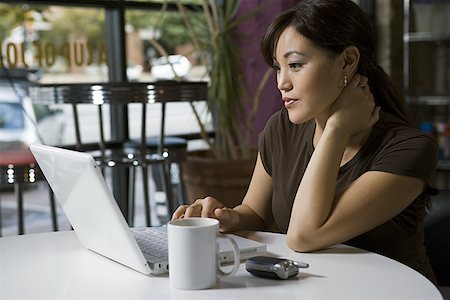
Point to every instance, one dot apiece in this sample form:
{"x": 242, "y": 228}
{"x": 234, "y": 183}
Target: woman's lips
{"x": 289, "y": 102}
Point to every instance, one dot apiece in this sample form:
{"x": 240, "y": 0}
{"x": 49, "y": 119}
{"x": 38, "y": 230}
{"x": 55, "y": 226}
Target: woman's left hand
{"x": 354, "y": 110}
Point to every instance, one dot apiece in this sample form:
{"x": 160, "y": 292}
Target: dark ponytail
{"x": 334, "y": 25}
{"x": 385, "y": 94}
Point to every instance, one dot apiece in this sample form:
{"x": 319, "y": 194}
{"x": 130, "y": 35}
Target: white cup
{"x": 193, "y": 253}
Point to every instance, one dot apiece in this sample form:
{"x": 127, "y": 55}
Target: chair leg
{"x": 20, "y": 210}
{"x": 146, "y": 194}
{"x": 131, "y": 196}
{"x": 53, "y": 209}
{"x": 165, "y": 166}
{"x": 182, "y": 189}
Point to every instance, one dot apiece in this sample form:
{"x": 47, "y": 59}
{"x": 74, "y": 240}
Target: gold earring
{"x": 345, "y": 80}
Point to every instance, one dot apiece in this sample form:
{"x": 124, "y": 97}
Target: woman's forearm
{"x": 314, "y": 199}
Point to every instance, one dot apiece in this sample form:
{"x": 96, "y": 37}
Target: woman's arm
{"x": 255, "y": 212}
{"x": 320, "y": 218}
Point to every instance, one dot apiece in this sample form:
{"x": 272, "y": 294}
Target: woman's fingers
{"x": 194, "y": 210}
{"x": 375, "y": 115}
{"x": 354, "y": 110}
{"x": 179, "y": 212}
{"x": 209, "y": 206}
{"x": 200, "y": 208}
{"x": 363, "y": 82}
{"x": 354, "y": 82}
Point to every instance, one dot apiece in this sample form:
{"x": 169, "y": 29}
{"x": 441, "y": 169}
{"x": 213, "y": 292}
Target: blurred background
{"x": 70, "y": 42}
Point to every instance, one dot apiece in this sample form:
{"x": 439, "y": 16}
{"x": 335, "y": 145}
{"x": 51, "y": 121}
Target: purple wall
{"x": 253, "y": 64}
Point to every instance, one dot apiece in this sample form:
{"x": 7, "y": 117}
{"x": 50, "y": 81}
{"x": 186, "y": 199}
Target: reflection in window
{"x": 53, "y": 40}
{"x": 145, "y": 32}
{"x": 152, "y": 34}
{"x": 66, "y": 44}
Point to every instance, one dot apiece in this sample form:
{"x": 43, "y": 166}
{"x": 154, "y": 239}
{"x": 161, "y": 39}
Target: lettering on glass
{"x": 75, "y": 54}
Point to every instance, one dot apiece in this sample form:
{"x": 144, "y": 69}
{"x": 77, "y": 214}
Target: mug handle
{"x": 236, "y": 254}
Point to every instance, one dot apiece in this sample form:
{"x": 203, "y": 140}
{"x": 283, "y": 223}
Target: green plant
{"x": 212, "y": 32}
{"x": 228, "y": 100}
{"x": 225, "y": 87}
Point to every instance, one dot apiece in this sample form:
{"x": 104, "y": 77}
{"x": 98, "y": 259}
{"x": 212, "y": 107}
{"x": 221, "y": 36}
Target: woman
{"x": 340, "y": 163}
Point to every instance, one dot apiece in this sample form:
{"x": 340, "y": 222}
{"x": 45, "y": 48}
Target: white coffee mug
{"x": 193, "y": 253}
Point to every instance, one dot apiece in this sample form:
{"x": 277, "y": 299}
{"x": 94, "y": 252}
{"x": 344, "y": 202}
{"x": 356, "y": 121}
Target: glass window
{"x": 53, "y": 40}
{"x": 153, "y": 34}
{"x": 150, "y": 35}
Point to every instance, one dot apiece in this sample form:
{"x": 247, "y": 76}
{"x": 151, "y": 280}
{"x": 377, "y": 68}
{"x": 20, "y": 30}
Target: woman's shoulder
{"x": 402, "y": 149}
{"x": 279, "y": 117}
{"x": 396, "y": 130}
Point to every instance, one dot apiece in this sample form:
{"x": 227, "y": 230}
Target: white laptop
{"x": 93, "y": 212}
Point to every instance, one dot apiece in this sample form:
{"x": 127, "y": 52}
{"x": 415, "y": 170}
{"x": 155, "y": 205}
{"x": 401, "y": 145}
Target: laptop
{"x": 91, "y": 209}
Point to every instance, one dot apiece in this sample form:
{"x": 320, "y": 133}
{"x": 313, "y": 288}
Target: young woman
{"x": 340, "y": 163}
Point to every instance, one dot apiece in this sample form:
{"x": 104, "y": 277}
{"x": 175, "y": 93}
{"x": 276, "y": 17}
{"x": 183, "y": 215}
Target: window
{"x": 52, "y": 40}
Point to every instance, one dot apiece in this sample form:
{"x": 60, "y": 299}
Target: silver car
{"x": 163, "y": 68}
{"x": 22, "y": 123}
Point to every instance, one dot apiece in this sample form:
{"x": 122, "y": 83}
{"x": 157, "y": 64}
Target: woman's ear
{"x": 351, "y": 59}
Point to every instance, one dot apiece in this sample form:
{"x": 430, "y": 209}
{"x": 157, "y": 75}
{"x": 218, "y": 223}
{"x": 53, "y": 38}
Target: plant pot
{"x": 225, "y": 180}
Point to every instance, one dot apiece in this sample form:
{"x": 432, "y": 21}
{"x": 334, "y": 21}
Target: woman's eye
{"x": 276, "y": 68}
{"x": 295, "y": 65}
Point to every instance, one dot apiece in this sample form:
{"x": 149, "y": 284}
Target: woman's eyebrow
{"x": 285, "y": 55}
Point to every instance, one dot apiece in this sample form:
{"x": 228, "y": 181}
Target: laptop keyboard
{"x": 153, "y": 243}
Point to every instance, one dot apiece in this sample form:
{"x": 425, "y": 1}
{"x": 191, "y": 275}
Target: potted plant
{"x": 224, "y": 170}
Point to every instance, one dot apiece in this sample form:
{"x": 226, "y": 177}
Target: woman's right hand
{"x": 208, "y": 207}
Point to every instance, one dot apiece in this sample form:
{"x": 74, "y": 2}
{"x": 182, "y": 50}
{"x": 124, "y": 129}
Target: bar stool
{"x": 18, "y": 168}
{"x": 126, "y": 153}
{"x": 174, "y": 149}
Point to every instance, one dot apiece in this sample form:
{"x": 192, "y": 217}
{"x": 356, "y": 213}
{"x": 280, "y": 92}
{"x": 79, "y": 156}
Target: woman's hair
{"x": 334, "y": 25}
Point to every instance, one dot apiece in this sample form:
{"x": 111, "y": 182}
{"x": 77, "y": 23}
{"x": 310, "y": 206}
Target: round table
{"x": 55, "y": 265}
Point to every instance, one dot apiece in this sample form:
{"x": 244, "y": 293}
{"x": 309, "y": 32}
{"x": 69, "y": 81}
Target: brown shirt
{"x": 393, "y": 147}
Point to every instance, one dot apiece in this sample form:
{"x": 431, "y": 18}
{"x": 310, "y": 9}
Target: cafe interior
{"x": 169, "y": 97}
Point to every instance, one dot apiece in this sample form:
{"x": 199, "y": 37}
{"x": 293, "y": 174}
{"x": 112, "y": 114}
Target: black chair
{"x": 437, "y": 236}
{"x": 174, "y": 149}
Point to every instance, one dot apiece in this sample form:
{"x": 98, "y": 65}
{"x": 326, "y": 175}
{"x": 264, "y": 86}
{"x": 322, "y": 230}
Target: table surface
{"x": 56, "y": 266}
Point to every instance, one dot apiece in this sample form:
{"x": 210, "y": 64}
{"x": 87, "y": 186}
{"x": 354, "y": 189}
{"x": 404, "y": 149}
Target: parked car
{"x": 161, "y": 69}
{"x": 22, "y": 123}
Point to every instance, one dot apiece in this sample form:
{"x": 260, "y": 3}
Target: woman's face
{"x": 308, "y": 78}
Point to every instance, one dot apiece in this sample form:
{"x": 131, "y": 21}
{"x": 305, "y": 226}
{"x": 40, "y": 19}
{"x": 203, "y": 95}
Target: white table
{"x": 56, "y": 266}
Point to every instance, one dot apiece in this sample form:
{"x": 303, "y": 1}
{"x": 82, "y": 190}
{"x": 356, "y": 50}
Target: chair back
{"x": 437, "y": 236}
